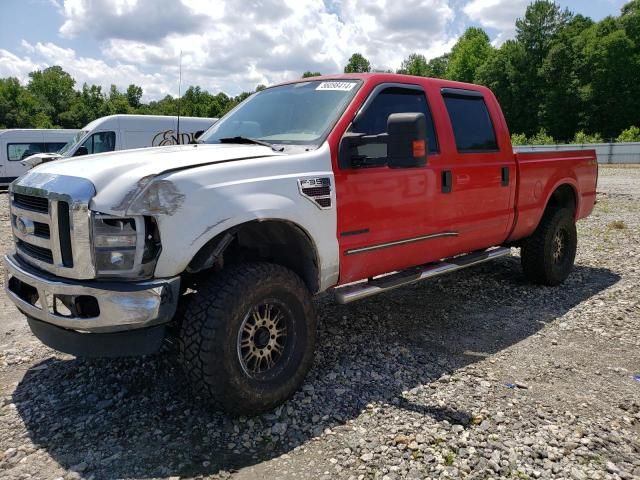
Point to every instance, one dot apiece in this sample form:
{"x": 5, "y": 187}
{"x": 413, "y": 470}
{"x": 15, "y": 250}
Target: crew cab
{"x": 357, "y": 183}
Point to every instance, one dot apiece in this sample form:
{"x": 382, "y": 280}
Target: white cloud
{"x": 13, "y": 66}
{"x": 233, "y": 45}
{"x": 500, "y": 15}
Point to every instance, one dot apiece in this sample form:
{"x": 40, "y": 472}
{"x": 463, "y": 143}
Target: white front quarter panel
{"x": 208, "y": 200}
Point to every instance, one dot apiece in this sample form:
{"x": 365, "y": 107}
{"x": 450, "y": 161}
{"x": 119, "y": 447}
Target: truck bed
{"x": 541, "y": 173}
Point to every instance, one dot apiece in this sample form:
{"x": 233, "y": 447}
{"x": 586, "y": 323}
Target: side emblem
{"x": 318, "y": 190}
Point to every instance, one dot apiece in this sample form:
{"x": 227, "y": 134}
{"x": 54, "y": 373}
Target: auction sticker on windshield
{"x": 339, "y": 86}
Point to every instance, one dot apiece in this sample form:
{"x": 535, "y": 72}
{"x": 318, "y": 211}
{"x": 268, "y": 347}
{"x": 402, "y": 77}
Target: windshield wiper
{"x": 239, "y": 139}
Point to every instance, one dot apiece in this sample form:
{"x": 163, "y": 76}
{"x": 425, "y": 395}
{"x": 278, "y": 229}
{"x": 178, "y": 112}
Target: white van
{"x": 20, "y": 143}
{"x": 124, "y": 132}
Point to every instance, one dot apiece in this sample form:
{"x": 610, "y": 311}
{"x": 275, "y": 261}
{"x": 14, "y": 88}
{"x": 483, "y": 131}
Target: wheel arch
{"x": 563, "y": 195}
{"x": 274, "y": 240}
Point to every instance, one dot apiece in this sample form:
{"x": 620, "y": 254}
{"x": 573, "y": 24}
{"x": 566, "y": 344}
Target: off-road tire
{"x": 537, "y": 253}
{"x": 216, "y": 316}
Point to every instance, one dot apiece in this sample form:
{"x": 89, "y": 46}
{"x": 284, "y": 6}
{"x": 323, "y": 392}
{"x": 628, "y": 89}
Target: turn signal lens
{"x": 419, "y": 148}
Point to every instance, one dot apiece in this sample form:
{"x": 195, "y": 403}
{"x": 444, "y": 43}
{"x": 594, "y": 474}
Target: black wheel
{"x": 248, "y": 336}
{"x": 548, "y": 255}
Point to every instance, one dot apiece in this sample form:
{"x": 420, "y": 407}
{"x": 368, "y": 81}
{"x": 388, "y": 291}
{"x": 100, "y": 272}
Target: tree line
{"x": 563, "y": 78}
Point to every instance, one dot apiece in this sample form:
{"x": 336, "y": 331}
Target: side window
{"x": 20, "y": 151}
{"x": 101, "y": 142}
{"x": 53, "y": 147}
{"x": 471, "y": 122}
{"x": 388, "y": 101}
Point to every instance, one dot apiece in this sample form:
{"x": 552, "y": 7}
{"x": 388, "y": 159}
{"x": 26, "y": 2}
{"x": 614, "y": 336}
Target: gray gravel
{"x": 474, "y": 375}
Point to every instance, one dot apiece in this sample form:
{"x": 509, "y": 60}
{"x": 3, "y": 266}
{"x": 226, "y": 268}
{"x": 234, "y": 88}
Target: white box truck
{"x": 20, "y": 143}
{"x": 125, "y": 132}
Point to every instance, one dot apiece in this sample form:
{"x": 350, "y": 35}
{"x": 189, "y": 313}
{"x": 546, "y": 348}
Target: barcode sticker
{"x": 337, "y": 86}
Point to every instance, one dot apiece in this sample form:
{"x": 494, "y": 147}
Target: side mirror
{"x": 407, "y": 140}
{"x": 82, "y": 150}
{"x": 195, "y": 136}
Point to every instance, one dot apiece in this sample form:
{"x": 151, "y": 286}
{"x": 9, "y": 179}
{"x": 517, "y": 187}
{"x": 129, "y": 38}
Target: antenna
{"x": 179, "y": 99}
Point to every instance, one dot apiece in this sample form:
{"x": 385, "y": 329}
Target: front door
{"x": 382, "y": 211}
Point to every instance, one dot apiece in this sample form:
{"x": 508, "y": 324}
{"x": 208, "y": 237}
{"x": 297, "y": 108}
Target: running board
{"x": 358, "y": 291}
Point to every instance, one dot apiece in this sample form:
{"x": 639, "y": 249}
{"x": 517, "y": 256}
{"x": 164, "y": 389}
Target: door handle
{"x": 446, "y": 181}
{"x": 505, "y": 176}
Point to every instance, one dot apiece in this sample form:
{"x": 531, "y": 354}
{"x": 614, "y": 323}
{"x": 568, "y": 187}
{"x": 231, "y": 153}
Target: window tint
{"x": 392, "y": 100}
{"x": 101, "y": 142}
{"x": 20, "y": 151}
{"x": 54, "y": 147}
{"x": 471, "y": 123}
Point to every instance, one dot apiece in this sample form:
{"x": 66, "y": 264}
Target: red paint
{"x": 397, "y": 204}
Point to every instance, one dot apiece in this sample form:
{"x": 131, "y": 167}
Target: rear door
{"x": 477, "y": 180}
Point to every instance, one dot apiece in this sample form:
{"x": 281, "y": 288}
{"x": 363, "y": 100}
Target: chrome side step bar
{"x": 357, "y": 291}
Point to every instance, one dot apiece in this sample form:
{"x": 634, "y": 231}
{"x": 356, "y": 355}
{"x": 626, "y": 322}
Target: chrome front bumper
{"x": 122, "y": 306}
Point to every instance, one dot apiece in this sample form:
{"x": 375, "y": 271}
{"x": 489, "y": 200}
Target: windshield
{"x": 295, "y": 114}
{"x": 73, "y": 142}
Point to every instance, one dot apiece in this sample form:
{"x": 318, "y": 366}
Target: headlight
{"x": 125, "y": 246}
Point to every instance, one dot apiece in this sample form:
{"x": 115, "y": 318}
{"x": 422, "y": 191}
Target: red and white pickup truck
{"x": 356, "y": 183}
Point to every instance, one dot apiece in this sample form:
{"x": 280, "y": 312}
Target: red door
{"x": 384, "y": 219}
{"x": 391, "y": 219}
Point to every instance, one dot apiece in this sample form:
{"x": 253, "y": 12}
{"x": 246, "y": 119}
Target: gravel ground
{"x": 473, "y": 375}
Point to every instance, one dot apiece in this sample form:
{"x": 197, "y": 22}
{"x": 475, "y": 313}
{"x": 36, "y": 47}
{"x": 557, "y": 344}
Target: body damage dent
{"x": 209, "y": 228}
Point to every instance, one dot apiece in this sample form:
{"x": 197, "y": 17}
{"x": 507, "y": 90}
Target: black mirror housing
{"x": 407, "y": 140}
{"x": 82, "y": 150}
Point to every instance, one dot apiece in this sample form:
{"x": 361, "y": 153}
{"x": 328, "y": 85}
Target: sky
{"x": 234, "y": 45}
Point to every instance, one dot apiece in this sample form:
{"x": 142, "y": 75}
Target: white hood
{"x": 119, "y": 176}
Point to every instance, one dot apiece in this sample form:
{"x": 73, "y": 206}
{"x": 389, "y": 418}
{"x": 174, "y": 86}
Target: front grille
{"x": 28, "y": 202}
{"x": 39, "y": 253}
{"x": 42, "y": 230}
{"x": 64, "y": 228}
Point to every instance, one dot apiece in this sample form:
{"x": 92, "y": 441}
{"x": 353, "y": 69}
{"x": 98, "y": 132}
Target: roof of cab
{"x": 147, "y": 118}
{"x": 381, "y": 77}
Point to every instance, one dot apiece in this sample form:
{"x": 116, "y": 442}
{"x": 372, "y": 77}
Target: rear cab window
{"x": 471, "y": 122}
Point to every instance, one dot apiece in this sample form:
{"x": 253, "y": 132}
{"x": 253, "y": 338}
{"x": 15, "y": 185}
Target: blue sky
{"x": 233, "y": 45}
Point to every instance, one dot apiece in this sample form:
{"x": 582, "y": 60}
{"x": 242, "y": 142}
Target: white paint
{"x": 23, "y": 136}
{"x": 215, "y": 192}
{"x": 336, "y": 86}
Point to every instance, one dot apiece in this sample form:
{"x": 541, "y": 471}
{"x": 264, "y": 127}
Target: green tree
{"x": 415, "y": 64}
{"x": 542, "y": 21}
{"x": 581, "y": 138}
{"x": 541, "y": 138}
{"x": 518, "y": 139}
{"x": 438, "y": 65}
{"x": 469, "y": 53}
{"x": 503, "y": 74}
{"x": 308, "y": 74}
{"x": 357, "y": 64}
{"x": 631, "y": 134}
{"x": 608, "y": 66}
{"x": 53, "y": 88}
{"x": 134, "y": 94}
{"x": 560, "y": 101}
{"x": 535, "y": 33}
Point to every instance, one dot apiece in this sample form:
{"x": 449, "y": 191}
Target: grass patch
{"x": 449, "y": 457}
{"x": 617, "y": 225}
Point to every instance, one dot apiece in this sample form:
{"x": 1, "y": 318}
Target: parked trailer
{"x": 19, "y": 143}
{"x": 125, "y": 132}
